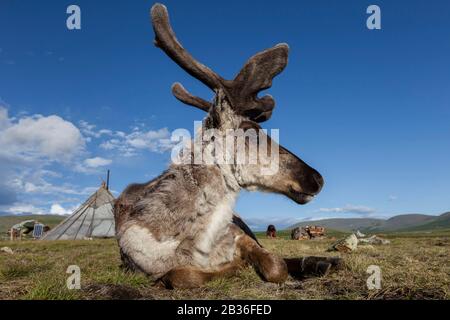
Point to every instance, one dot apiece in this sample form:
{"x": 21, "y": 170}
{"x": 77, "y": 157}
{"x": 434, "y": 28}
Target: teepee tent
{"x": 93, "y": 219}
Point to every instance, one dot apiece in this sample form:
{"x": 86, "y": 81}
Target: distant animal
{"x": 271, "y": 231}
{"x": 180, "y": 228}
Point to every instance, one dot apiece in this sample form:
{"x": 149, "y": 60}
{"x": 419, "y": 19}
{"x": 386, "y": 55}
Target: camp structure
{"x": 93, "y": 219}
{"x": 307, "y": 232}
{"x": 27, "y": 229}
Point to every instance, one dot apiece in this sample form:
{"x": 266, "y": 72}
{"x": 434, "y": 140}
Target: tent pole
{"x": 107, "y": 180}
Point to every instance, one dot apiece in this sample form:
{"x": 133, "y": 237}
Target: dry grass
{"x": 412, "y": 268}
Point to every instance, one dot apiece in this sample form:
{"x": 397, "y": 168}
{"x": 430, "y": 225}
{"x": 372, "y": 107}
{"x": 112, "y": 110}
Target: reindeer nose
{"x": 317, "y": 177}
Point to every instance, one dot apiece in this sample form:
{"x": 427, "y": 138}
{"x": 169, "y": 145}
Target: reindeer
{"x": 271, "y": 231}
{"x": 180, "y": 228}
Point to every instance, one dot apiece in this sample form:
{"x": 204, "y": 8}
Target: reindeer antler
{"x": 242, "y": 92}
{"x": 181, "y": 94}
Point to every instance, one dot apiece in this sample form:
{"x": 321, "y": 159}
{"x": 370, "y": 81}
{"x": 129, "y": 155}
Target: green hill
{"x": 441, "y": 222}
{"x": 404, "y": 222}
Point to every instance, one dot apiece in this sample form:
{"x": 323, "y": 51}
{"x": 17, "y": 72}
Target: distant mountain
{"x": 260, "y": 224}
{"x": 404, "y": 222}
{"x": 441, "y": 222}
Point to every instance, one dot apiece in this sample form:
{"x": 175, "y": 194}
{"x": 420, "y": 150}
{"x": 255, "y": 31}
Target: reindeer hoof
{"x": 313, "y": 266}
{"x": 337, "y": 263}
{"x": 323, "y": 268}
{"x": 320, "y": 266}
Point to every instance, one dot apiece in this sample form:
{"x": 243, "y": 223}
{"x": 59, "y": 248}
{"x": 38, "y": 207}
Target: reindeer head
{"x": 237, "y": 105}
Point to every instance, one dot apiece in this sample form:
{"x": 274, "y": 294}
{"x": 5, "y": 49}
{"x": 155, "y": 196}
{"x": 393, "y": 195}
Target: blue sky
{"x": 369, "y": 109}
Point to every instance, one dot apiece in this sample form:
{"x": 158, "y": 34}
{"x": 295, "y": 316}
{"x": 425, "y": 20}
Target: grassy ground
{"x": 413, "y": 267}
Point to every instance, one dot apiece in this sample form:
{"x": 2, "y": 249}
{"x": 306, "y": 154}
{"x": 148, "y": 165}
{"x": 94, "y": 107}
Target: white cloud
{"x": 56, "y": 208}
{"x": 120, "y": 134}
{"x": 38, "y": 155}
{"x": 23, "y": 208}
{"x": 27, "y": 208}
{"x": 89, "y": 130}
{"x": 39, "y": 137}
{"x": 44, "y": 187}
{"x": 29, "y": 146}
{"x": 4, "y": 120}
{"x": 128, "y": 144}
{"x": 349, "y": 209}
{"x": 110, "y": 144}
{"x": 392, "y": 198}
{"x": 97, "y": 162}
{"x": 317, "y": 218}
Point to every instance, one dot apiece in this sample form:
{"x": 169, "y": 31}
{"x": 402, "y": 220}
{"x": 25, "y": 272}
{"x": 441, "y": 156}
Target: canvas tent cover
{"x": 93, "y": 219}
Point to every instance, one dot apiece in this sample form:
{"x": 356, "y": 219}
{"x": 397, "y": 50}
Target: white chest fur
{"x": 218, "y": 223}
{"x": 153, "y": 256}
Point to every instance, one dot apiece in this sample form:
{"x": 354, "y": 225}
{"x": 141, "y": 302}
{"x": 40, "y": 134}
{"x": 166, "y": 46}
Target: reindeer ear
{"x": 259, "y": 70}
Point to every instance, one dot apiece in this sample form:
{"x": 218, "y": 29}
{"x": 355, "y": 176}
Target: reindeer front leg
{"x": 194, "y": 277}
{"x": 189, "y": 274}
{"x": 275, "y": 269}
{"x": 268, "y": 265}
